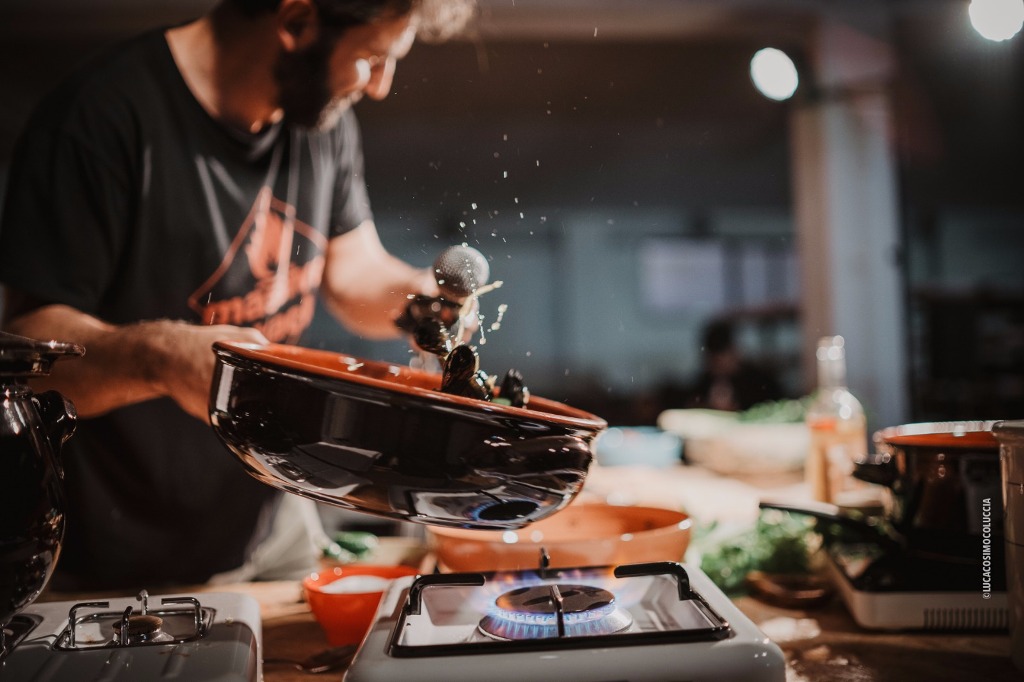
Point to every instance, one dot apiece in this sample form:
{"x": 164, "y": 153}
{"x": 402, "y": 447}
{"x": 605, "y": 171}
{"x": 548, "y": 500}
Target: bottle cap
{"x": 831, "y": 348}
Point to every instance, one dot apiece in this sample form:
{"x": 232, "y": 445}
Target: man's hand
{"x": 366, "y": 287}
{"x": 182, "y": 361}
{"x": 128, "y": 364}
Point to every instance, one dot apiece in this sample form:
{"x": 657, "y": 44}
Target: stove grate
{"x": 536, "y": 615}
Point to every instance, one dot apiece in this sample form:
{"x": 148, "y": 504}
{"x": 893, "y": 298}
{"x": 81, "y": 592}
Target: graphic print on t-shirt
{"x": 276, "y": 261}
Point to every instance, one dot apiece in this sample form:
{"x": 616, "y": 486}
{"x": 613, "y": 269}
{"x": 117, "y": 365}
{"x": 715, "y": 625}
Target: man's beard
{"x": 304, "y": 90}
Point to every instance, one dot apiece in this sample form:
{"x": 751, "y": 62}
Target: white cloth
{"x": 290, "y": 551}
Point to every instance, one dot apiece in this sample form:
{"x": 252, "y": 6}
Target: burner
{"x": 640, "y": 622}
{"x": 100, "y": 627}
{"x": 553, "y": 610}
{"x": 120, "y": 639}
{"x": 141, "y": 628}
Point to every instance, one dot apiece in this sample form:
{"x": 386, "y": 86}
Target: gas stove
{"x": 651, "y": 622}
{"x": 901, "y": 589}
{"x": 140, "y": 638}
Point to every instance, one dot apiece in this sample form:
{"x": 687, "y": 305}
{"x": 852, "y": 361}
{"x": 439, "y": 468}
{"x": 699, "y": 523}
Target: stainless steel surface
{"x": 682, "y": 627}
{"x": 1011, "y": 455}
{"x": 181, "y": 638}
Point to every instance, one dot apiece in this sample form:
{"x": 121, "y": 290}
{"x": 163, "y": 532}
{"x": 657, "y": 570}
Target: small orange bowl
{"x": 344, "y": 599}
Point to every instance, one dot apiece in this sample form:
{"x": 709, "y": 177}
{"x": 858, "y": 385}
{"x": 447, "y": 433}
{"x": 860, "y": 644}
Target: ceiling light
{"x": 997, "y": 19}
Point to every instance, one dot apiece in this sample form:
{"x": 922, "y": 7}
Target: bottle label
{"x": 835, "y": 445}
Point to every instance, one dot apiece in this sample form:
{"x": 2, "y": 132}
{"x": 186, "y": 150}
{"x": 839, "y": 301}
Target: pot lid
{"x": 24, "y": 357}
{"x": 955, "y": 434}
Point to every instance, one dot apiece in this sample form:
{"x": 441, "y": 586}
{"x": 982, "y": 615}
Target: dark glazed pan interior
{"x": 382, "y": 439}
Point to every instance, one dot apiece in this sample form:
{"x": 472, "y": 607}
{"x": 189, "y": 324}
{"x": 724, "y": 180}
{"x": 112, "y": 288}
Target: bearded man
{"x": 199, "y": 183}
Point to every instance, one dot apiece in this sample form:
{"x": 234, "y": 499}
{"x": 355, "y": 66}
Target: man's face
{"x": 318, "y": 83}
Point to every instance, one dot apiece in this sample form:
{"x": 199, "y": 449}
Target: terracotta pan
{"x": 383, "y": 439}
{"x": 583, "y": 534}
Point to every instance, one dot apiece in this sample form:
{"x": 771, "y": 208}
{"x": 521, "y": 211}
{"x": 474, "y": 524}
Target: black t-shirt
{"x": 127, "y": 201}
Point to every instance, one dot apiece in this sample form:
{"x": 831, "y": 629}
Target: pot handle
{"x": 877, "y": 468}
{"x": 822, "y": 511}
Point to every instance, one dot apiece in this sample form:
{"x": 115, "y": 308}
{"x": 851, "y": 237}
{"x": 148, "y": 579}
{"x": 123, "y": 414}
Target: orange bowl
{"x": 587, "y": 534}
{"x": 344, "y": 599}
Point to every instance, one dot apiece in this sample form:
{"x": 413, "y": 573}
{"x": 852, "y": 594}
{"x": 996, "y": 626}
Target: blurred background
{"x": 631, "y": 186}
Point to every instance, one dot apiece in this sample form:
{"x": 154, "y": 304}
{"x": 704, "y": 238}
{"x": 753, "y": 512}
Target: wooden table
{"x": 825, "y": 644}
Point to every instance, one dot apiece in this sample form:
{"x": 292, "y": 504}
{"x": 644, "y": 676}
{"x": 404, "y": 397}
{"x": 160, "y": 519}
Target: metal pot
{"x": 1011, "y": 454}
{"x": 937, "y": 477}
{"x": 942, "y": 510}
{"x": 382, "y": 439}
{"x": 32, "y": 430}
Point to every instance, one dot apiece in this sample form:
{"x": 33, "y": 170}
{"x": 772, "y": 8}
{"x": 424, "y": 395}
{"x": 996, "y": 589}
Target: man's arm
{"x": 366, "y": 287}
{"x": 126, "y": 364}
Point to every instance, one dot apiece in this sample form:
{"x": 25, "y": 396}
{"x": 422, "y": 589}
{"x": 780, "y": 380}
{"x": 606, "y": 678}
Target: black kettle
{"x": 33, "y": 427}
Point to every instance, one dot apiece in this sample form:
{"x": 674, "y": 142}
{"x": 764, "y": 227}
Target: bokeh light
{"x": 997, "y": 19}
{"x": 774, "y": 74}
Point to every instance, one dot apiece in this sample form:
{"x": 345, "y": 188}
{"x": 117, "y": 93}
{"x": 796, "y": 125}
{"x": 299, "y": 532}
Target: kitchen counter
{"x": 819, "y": 644}
{"x": 822, "y": 643}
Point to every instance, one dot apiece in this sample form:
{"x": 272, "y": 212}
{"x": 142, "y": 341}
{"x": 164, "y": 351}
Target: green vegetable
{"x": 348, "y": 546}
{"x": 776, "y": 412}
{"x": 777, "y": 543}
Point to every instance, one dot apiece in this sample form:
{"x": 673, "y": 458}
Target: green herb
{"x": 777, "y": 543}
{"x": 348, "y": 546}
{"x": 776, "y": 412}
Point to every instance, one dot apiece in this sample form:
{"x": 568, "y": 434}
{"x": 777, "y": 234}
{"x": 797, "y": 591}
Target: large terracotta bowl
{"x": 584, "y": 534}
{"x": 383, "y": 439}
